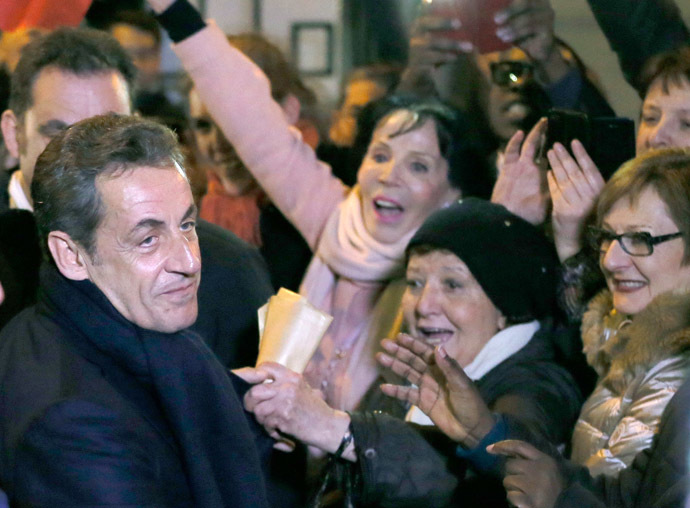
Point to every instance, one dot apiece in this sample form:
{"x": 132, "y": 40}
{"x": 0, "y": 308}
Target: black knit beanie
{"x": 511, "y": 259}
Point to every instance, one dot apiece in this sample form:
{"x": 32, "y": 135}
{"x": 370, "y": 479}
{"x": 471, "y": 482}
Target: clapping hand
{"x": 574, "y": 185}
{"x": 442, "y": 389}
{"x": 521, "y": 185}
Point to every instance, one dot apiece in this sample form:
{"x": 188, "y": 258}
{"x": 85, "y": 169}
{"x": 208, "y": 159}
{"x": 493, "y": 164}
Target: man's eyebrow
{"x": 52, "y": 127}
{"x": 147, "y": 224}
{"x": 191, "y": 212}
{"x": 155, "y": 223}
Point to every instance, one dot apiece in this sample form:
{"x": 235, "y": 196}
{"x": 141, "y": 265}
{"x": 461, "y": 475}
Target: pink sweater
{"x": 304, "y": 189}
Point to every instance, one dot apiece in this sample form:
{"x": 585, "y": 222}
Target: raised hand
{"x": 574, "y": 185}
{"x": 442, "y": 389}
{"x": 529, "y": 25}
{"x": 288, "y": 405}
{"x": 532, "y": 478}
{"x": 428, "y": 46}
{"x": 521, "y": 185}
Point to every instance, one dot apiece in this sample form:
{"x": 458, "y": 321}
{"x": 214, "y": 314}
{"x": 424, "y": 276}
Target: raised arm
{"x": 238, "y": 96}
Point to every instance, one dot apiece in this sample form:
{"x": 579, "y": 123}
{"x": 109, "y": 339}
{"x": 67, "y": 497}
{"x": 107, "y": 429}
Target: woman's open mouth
{"x": 387, "y": 210}
{"x": 434, "y": 336}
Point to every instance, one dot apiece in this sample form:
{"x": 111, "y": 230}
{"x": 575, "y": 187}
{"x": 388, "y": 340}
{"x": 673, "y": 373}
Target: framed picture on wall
{"x": 311, "y": 45}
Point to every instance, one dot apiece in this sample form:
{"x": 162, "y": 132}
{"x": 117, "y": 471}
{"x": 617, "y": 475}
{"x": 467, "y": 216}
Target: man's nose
{"x": 185, "y": 257}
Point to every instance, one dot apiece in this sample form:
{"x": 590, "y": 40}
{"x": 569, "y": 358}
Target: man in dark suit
{"x": 108, "y": 399}
{"x": 73, "y": 74}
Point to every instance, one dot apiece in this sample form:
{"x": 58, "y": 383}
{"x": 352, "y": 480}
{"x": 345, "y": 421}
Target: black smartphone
{"x": 612, "y": 143}
{"x": 609, "y": 141}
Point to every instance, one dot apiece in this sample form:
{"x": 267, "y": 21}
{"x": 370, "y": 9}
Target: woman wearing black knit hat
{"x": 480, "y": 289}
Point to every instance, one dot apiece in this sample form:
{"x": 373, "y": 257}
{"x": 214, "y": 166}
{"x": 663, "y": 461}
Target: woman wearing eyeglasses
{"x": 636, "y": 333}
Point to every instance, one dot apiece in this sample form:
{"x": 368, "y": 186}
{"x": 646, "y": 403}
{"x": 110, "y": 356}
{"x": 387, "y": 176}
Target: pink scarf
{"x": 348, "y": 258}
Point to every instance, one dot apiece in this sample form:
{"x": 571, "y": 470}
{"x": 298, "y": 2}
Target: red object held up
{"x": 15, "y": 14}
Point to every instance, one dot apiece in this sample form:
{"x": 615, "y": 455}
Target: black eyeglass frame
{"x": 522, "y": 71}
{"x": 596, "y": 235}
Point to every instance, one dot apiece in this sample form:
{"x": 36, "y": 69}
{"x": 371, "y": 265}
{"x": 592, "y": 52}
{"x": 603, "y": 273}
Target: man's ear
{"x": 68, "y": 256}
{"x": 292, "y": 108}
{"x": 10, "y": 132}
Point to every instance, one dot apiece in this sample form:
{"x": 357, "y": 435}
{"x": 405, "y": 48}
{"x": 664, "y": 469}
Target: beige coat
{"x": 641, "y": 364}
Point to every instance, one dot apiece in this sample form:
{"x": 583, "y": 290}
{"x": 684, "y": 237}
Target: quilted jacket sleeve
{"x": 641, "y": 407}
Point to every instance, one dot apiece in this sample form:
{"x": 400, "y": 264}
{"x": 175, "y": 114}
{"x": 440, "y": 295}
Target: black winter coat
{"x": 400, "y": 464}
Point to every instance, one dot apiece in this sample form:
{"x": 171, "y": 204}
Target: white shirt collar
{"x": 18, "y": 198}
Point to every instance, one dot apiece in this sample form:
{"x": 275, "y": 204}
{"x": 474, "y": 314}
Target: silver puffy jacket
{"x": 641, "y": 364}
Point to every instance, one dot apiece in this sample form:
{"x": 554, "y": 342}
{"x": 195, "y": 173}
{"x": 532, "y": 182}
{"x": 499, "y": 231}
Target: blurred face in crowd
{"x": 142, "y": 49}
{"x": 665, "y": 117}
{"x": 146, "y": 259}
{"x": 444, "y": 305}
{"x": 214, "y": 151}
{"x": 2, "y": 294}
{"x": 60, "y": 99}
{"x": 511, "y": 103}
{"x": 403, "y": 178}
{"x": 358, "y": 94}
{"x": 635, "y": 281}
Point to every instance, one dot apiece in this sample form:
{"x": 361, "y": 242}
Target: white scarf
{"x": 500, "y": 347}
{"x": 18, "y": 198}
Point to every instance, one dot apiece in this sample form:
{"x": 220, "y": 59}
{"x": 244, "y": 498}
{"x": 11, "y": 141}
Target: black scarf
{"x": 192, "y": 388}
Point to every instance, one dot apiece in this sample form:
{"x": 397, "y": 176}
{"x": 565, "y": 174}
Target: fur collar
{"x": 660, "y": 331}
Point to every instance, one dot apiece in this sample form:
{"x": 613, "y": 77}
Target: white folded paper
{"x": 290, "y": 330}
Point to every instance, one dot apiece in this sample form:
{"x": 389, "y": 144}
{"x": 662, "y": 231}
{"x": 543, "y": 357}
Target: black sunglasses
{"x": 511, "y": 72}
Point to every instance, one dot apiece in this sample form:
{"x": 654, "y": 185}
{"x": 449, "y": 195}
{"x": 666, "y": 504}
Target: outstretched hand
{"x": 442, "y": 389}
{"x": 521, "y": 185}
{"x": 574, "y": 185}
{"x": 288, "y": 405}
{"x": 532, "y": 478}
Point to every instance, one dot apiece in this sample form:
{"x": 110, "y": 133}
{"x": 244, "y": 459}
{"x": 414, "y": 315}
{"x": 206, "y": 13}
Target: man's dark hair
{"x": 140, "y": 19}
{"x": 80, "y": 51}
{"x": 64, "y": 185}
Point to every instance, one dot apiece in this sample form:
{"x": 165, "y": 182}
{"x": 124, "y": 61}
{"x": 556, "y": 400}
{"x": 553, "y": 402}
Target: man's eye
{"x": 149, "y": 241}
{"x": 188, "y": 226}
